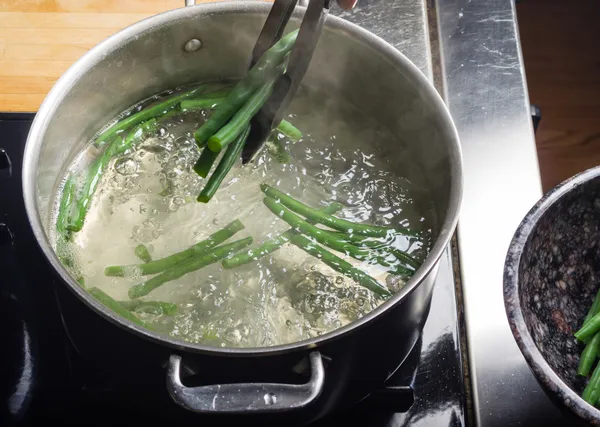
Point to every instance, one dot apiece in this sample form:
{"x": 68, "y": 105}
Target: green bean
{"x": 289, "y": 130}
{"x": 340, "y": 265}
{"x": 264, "y": 69}
{"x": 277, "y": 149}
{"x": 134, "y": 136}
{"x": 593, "y": 309}
{"x": 270, "y": 245}
{"x": 328, "y": 239}
{"x": 254, "y": 254}
{"x": 241, "y": 119}
{"x": 145, "y": 114}
{"x": 188, "y": 266}
{"x": 94, "y": 174}
{"x": 229, "y": 158}
{"x": 200, "y": 103}
{"x": 588, "y": 357}
{"x": 358, "y": 240}
{"x": 171, "y": 260}
{"x": 322, "y": 218}
{"x": 142, "y": 252}
{"x": 204, "y": 164}
{"x": 321, "y": 236}
{"x": 406, "y": 258}
{"x": 366, "y": 242}
{"x": 219, "y": 93}
{"x": 206, "y": 100}
{"x": 64, "y": 208}
{"x": 590, "y": 328}
{"x": 175, "y": 111}
{"x": 97, "y": 168}
{"x": 591, "y": 393}
{"x": 114, "y": 306}
{"x": 150, "y": 307}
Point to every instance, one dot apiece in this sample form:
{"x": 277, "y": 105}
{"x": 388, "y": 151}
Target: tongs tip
{"x": 287, "y": 85}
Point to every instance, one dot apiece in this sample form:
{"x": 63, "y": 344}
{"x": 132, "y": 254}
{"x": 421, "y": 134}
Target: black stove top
{"x": 48, "y": 378}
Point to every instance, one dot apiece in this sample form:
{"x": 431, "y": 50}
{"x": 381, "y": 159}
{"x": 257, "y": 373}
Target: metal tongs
{"x": 286, "y": 86}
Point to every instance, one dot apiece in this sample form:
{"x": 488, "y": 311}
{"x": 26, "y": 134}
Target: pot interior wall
{"x": 559, "y": 272}
{"x": 146, "y": 59}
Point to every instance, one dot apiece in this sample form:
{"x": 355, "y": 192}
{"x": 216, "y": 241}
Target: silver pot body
{"x": 350, "y": 64}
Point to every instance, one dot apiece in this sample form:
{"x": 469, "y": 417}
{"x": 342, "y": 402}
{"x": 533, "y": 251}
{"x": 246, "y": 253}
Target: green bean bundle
{"x": 187, "y": 266}
{"x": 340, "y": 265}
{"x": 270, "y": 245}
{"x": 326, "y": 219}
{"x": 229, "y": 158}
{"x": 243, "y": 90}
{"x": 199, "y": 248}
{"x": 241, "y": 119}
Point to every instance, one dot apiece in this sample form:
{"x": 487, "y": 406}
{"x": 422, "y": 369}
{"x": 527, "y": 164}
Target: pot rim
{"x": 512, "y": 303}
{"x": 83, "y": 64}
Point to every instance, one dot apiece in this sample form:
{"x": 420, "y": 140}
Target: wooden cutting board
{"x": 40, "y": 39}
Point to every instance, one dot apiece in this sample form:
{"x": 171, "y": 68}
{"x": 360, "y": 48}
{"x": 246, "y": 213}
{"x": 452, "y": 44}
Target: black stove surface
{"x": 46, "y": 378}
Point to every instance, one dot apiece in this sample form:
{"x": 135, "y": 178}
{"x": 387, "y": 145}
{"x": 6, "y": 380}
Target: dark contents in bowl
{"x": 559, "y": 271}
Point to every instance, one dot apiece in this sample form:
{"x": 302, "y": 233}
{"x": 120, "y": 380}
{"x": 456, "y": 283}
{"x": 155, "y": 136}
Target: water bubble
{"x": 148, "y": 231}
{"x": 330, "y": 302}
{"x": 173, "y": 206}
{"x": 126, "y": 166}
{"x": 215, "y": 221}
{"x": 162, "y": 157}
{"x": 182, "y": 142}
{"x": 339, "y": 280}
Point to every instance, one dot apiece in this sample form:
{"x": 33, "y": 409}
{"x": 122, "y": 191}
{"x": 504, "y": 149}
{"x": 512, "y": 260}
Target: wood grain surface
{"x": 560, "y": 41}
{"x": 40, "y": 39}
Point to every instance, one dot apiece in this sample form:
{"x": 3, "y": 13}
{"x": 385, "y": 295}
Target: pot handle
{"x": 190, "y": 2}
{"x": 246, "y": 397}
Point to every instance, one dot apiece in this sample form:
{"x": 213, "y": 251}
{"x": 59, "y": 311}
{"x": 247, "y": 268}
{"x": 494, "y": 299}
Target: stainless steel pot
{"x": 212, "y": 41}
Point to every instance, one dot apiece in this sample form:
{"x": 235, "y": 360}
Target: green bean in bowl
{"x": 552, "y": 293}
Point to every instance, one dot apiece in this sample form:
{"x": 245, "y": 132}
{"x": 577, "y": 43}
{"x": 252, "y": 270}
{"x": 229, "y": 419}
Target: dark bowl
{"x": 551, "y": 276}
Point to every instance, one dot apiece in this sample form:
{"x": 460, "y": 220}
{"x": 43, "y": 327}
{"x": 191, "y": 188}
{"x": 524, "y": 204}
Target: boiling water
{"x": 148, "y": 196}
